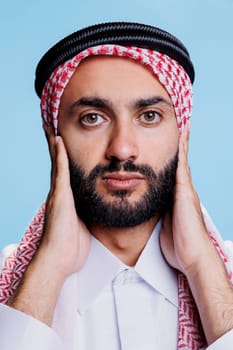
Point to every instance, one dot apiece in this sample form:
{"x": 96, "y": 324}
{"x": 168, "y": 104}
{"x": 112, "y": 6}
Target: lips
{"x": 122, "y": 181}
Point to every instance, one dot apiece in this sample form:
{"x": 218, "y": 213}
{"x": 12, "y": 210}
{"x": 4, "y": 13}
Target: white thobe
{"x": 108, "y": 305}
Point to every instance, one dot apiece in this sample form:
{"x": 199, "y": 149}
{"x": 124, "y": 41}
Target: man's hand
{"x": 65, "y": 236}
{"x": 183, "y": 248}
{"x": 64, "y": 246}
{"x": 187, "y": 247}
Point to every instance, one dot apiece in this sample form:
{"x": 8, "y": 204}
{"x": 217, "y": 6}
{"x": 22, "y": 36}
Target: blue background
{"x": 29, "y": 28}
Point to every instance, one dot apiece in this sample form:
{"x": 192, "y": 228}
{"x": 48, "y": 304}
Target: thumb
{"x": 167, "y": 242}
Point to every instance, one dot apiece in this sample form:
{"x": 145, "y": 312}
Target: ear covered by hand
{"x": 183, "y": 236}
{"x": 65, "y": 234}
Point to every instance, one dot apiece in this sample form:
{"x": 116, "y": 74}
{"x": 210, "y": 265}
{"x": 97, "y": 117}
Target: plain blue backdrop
{"x": 29, "y": 28}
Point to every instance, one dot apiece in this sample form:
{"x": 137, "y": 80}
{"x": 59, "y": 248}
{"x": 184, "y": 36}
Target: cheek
{"x": 85, "y": 152}
{"x": 159, "y": 148}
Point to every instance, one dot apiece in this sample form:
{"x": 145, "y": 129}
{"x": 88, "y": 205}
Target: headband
{"x": 116, "y": 33}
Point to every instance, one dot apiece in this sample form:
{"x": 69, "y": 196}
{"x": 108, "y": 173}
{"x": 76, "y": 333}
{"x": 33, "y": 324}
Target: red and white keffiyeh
{"x": 177, "y": 83}
{"x": 169, "y": 72}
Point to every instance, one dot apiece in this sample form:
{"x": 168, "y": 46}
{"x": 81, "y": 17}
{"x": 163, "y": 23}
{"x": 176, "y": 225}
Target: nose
{"x": 122, "y": 143}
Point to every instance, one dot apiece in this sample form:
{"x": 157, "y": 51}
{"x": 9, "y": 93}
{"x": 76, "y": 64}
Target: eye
{"x": 92, "y": 119}
{"x": 150, "y": 117}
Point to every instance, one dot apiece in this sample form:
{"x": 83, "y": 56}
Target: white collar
{"x": 102, "y": 267}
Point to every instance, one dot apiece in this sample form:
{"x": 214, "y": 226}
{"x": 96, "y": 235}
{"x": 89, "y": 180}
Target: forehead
{"x": 116, "y": 77}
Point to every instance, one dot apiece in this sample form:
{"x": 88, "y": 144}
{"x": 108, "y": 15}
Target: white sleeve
{"x": 23, "y": 332}
{"x": 223, "y": 343}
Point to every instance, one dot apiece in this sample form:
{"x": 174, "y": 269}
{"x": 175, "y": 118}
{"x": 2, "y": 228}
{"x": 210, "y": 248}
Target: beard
{"x": 93, "y": 208}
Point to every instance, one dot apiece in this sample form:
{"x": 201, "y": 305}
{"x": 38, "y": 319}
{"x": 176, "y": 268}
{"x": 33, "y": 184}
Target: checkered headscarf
{"x": 168, "y": 71}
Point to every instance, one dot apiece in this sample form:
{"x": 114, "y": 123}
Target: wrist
{"x": 213, "y": 294}
{"x": 48, "y": 262}
{"x": 205, "y": 259}
{"x": 39, "y": 288}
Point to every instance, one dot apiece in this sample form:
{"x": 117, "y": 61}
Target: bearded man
{"x": 121, "y": 256}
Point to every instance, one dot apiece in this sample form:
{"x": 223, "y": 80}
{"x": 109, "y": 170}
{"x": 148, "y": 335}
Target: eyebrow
{"x": 154, "y": 100}
{"x": 93, "y": 101}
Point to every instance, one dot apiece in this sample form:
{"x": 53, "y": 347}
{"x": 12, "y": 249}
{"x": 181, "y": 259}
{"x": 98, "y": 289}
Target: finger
{"x": 186, "y": 139}
{"x": 62, "y": 162}
{"x": 183, "y": 143}
{"x": 50, "y": 136}
{"x": 183, "y": 171}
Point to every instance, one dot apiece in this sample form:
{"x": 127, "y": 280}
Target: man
{"x": 124, "y": 238}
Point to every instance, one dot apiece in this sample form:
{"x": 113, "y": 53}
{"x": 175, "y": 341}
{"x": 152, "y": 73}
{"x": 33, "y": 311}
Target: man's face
{"x": 121, "y": 135}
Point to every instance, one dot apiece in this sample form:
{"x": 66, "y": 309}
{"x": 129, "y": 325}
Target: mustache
{"x": 116, "y": 165}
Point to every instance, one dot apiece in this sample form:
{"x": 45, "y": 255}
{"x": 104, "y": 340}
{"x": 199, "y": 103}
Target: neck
{"x": 125, "y": 243}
